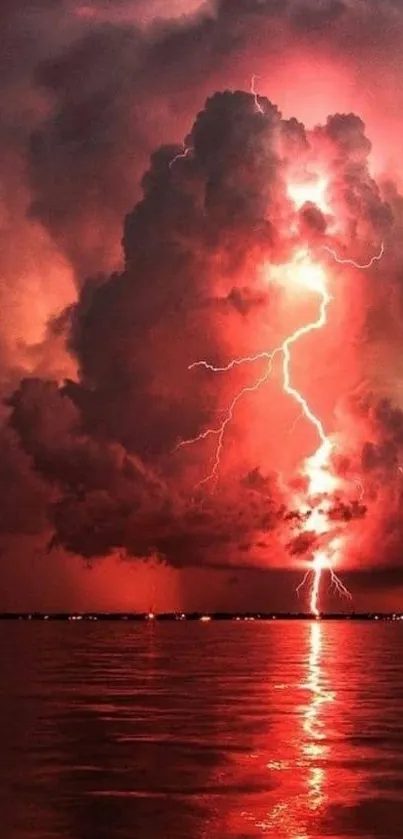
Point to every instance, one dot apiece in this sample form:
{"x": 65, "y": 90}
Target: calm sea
{"x": 201, "y": 731}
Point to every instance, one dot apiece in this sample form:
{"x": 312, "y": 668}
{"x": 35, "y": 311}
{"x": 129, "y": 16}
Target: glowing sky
{"x": 97, "y": 338}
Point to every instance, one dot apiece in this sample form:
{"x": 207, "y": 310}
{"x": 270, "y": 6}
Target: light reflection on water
{"x": 291, "y": 815}
{"x": 314, "y": 746}
{"x": 215, "y": 731}
{"x": 313, "y": 722}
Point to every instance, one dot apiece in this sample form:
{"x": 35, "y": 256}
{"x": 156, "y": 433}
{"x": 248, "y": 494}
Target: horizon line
{"x": 202, "y": 616}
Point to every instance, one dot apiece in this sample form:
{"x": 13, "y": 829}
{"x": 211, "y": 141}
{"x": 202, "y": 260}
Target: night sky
{"x": 156, "y": 208}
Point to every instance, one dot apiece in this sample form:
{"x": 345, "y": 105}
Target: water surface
{"x": 201, "y": 731}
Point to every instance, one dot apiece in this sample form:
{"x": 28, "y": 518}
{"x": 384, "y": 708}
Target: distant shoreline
{"x": 203, "y": 617}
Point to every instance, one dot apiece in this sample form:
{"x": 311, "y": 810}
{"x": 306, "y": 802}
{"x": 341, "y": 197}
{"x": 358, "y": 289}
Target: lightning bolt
{"x": 320, "y": 562}
{"x": 255, "y": 95}
{"x": 182, "y": 155}
{"x": 361, "y": 266}
{"x": 304, "y": 330}
{"x": 316, "y": 466}
{"x": 298, "y": 418}
{"x": 317, "y": 568}
{"x": 236, "y": 362}
{"x": 219, "y": 432}
{"x": 360, "y": 486}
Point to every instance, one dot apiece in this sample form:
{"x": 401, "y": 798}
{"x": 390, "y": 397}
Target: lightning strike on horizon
{"x": 321, "y": 481}
{"x": 317, "y": 568}
{"x": 314, "y": 280}
{"x": 321, "y": 563}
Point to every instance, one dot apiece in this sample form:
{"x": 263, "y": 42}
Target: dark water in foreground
{"x": 201, "y": 731}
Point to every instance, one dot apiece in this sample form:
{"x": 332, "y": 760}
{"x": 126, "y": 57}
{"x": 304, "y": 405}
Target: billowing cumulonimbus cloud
{"x": 119, "y": 89}
{"x": 207, "y": 223}
{"x": 99, "y": 453}
{"x": 134, "y": 335}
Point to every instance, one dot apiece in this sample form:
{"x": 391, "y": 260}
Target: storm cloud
{"x": 144, "y": 190}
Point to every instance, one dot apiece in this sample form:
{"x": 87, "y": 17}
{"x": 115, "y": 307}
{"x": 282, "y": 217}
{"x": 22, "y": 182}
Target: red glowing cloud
{"x": 251, "y": 224}
{"x": 302, "y": 275}
{"x": 255, "y": 305}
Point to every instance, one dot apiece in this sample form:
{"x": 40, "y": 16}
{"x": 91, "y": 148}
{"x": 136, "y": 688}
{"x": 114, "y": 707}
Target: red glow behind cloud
{"x": 306, "y": 83}
{"x": 42, "y": 271}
